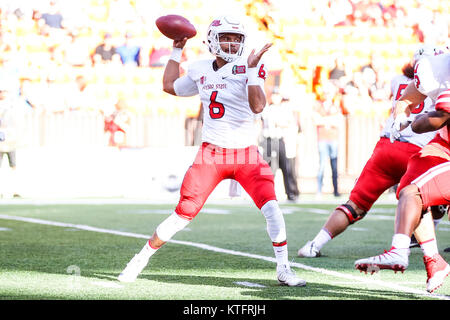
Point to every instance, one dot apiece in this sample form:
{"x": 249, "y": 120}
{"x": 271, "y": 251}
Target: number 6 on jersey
{"x": 216, "y": 109}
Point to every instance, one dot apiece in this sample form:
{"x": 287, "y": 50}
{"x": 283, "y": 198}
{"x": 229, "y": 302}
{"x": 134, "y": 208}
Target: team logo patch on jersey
{"x": 238, "y": 69}
{"x": 202, "y": 80}
{"x": 443, "y": 101}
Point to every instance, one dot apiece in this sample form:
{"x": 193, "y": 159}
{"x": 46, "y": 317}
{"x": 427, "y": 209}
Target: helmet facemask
{"x": 216, "y": 30}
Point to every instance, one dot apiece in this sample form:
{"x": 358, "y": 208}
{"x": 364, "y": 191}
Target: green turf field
{"x": 76, "y": 251}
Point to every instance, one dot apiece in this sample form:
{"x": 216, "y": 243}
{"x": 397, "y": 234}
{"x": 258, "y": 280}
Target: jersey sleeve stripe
{"x": 444, "y": 106}
{"x": 431, "y": 173}
{"x": 445, "y": 94}
{"x": 443, "y": 101}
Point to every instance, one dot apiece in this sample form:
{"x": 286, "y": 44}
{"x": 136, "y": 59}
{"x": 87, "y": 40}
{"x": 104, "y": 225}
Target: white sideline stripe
{"x": 250, "y": 284}
{"x": 232, "y": 252}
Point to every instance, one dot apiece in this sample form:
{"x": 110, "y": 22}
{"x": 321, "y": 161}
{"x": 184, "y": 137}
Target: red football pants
{"x": 383, "y": 170}
{"x": 429, "y": 169}
{"x": 213, "y": 164}
{"x": 434, "y": 185}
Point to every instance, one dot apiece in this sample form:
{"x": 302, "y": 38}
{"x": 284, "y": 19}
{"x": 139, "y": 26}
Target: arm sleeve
{"x": 185, "y": 87}
{"x": 443, "y": 101}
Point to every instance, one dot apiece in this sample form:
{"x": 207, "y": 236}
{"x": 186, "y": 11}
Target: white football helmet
{"x": 425, "y": 51}
{"x": 224, "y": 25}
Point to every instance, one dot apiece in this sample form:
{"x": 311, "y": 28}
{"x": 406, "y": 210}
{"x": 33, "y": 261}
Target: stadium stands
{"x": 308, "y": 34}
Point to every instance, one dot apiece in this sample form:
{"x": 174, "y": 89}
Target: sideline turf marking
{"x": 232, "y": 252}
{"x": 249, "y": 284}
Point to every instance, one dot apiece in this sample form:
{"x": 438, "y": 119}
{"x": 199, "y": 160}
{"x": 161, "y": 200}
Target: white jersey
{"x": 432, "y": 78}
{"x": 398, "y": 85}
{"x": 228, "y": 121}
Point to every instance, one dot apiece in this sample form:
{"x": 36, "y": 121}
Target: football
{"x": 175, "y": 27}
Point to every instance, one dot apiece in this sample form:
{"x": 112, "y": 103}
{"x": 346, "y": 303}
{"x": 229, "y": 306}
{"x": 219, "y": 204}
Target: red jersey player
{"x": 427, "y": 179}
{"x": 231, "y": 88}
{"x": 383, "y": 170}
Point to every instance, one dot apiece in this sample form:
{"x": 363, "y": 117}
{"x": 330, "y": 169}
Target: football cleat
{"x": 133, "y": 268}
{"x": 391, "y": 260}
{"x": 309, "y": 250}
{"x": 437, "y": 270}
{"x": 287, "y": 277}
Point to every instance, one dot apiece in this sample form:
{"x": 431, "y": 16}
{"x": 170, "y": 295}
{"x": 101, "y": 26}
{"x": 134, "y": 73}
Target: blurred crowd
{"x": 102, "y": 61}
{"x": 104, "y": 56}
{"x": 351, "y": 48}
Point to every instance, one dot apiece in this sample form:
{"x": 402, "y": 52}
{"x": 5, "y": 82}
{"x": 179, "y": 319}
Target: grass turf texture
{"x": 50, "y": 262}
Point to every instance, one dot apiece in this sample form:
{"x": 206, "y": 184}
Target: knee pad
{"x": 276, "y": 227}
{"x": 170, "y": 226}
{"x": 187, "y": 208}
{"x": 351, "y": 213}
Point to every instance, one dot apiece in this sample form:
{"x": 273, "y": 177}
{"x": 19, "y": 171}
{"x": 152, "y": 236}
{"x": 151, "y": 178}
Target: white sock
{"x": 281, "y": 255}
{"x": 148, "y": 250}
{"x": 322, "y": 238}
{"x": 401, "y": 242}
{"x": 276, "y": 227}
{"x": 429, "y": 247}
{"x": 277, "y": 231}
{"x": 171, "y": 225}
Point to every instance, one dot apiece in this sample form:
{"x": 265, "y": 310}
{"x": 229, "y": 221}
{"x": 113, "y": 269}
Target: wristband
{"x": 176, "y": 54}
{"x": 253, "y": 78}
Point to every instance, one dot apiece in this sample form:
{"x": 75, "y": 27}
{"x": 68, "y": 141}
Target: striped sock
{"x": 281, "y": 253}
{"x": 429, "y": 247}
{"x": 401, "y": 242}
{"x": 148, "y": 250}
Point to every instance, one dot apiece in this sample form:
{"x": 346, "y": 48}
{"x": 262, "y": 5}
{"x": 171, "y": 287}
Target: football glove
{"x": 398, "y": 125}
